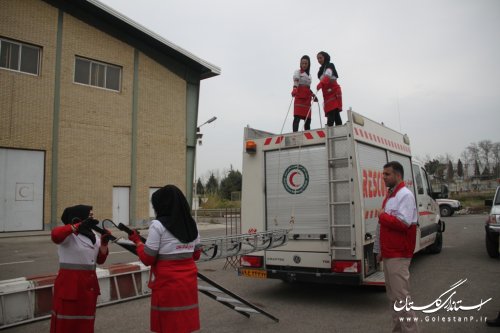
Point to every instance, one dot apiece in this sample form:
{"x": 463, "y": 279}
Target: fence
{"x": 29, "y": 299}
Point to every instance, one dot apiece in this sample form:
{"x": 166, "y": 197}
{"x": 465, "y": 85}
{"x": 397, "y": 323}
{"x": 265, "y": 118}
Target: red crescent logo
{"x": 290, "y": 179}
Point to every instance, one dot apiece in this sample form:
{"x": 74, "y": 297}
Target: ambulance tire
{"x": 436, "y": 247}
{"x": 492, "y": 246}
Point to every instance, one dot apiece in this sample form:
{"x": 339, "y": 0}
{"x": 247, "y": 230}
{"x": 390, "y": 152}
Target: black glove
{"x": 134, "y": 237}
{"x": 87, "y": 224}
{"x": 105, "y": 238}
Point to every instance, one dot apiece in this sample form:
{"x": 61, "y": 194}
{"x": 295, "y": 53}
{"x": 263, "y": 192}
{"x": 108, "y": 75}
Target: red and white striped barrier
{"x": 307, "y": 137}
{"x": 29, "y": 299}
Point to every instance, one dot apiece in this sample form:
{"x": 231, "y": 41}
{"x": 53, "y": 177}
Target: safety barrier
{"x": 28, "y": 299}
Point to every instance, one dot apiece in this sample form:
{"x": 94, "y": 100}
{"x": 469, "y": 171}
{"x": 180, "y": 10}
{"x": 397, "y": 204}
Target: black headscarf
{"x": 173, "y": 211}
{"x": 326, "y": 64}
{"x": 309, "y": 63}
{"x": 78, "y": 213}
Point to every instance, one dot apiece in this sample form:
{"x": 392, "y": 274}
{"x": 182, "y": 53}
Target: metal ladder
{"x": 229, "y": 299}
{"x": 340, "y": 178}
{"x": 236, "y": 245}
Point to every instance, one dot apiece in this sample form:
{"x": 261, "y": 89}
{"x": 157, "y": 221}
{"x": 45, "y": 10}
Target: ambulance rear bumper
{"x": 316, "y": 277}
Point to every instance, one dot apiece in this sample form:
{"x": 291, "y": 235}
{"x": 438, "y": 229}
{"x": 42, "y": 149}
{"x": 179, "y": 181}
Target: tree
{"x": 486, "y": 173}
{"x": 199, "y": 187}
{"x": 460, "y": 169}
{"x": 485, "y": 148}
{"x": 449, "y": 174}
{"x": 431, "y": 166}
{"x": 440, "y": 171}
{"x": 477, "y": 173}
{"x": 496, "y": 171}
{"x": 473, "y": 150}
{"x": 231, "y": 183}
{"x": 212, "y": 186}
{"x": 495, "y": 152}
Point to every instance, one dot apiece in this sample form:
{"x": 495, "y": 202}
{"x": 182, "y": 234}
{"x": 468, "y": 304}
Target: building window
{"x": 19, "y": 57}
{"x": 98, "y": 74}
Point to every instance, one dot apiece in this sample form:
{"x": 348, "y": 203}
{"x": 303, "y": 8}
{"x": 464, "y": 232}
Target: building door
{"x": 21, "y": 189}
{"x": 121, "y": 204}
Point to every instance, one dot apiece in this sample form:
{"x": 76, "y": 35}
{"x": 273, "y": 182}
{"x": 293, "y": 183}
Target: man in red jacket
{"x": 395, "y": 243}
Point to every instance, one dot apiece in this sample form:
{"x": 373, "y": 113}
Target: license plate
{"x": 253, "y": 273}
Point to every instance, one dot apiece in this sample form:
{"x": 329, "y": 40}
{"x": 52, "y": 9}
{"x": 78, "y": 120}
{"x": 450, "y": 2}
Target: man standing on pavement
{"x": 395, "y": 243}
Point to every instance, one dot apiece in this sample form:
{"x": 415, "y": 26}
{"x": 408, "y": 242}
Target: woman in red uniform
{"x": 332, "y": 94}
{"x": 169, "y": 250}
{"x": 76, "y": 287}
{"x": 303, "y": 94}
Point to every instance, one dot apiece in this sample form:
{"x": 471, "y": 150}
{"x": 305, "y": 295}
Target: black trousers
{"x": 333, "y": 117}
{"x": 296, "y": 121}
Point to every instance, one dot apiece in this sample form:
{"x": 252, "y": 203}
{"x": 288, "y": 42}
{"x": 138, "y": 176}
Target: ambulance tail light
{"x": 346, "y": 266}
{"x": 251, "y": 261}
{"x": 251, "y": 147}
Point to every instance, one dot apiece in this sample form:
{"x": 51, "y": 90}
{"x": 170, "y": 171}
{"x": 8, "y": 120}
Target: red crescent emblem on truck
{"x": 291, "y": 183}
{"x": 290, "y": 179}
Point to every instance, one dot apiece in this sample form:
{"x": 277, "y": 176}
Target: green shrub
{"x": 473, "y": 200}
{"x": 216, "y": 202}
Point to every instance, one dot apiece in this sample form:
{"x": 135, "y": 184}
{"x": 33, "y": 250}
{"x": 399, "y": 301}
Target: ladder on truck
{"x": 340, "y": 180}
{"x": 231, "y": 246}
{"x": 229, "y": 299}
{"x": 236, "y": 245}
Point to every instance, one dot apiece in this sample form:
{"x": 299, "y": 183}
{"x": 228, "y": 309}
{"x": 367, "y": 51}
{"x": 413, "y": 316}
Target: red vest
{"x": 302, "y": 102}
{"x": 396, "y": 243}
{"x": 332, "y": 96}
{"x": 174, "y": 298}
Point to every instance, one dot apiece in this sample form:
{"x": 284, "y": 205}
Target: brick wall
{"x": 27, "y": 101}
{"x": 161, "y": 145}
{"x": 95, "y": 128}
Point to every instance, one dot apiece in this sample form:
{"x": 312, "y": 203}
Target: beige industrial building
{"x": 94, "y": 109}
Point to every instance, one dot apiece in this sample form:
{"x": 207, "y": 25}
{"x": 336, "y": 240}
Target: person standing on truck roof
{"x": 171, "y": 250}
{"x": 332, "y": 93}
{"x": 395, "y": 243}
{"x": 303, "y": 94}
{"x": 76, "y": 287}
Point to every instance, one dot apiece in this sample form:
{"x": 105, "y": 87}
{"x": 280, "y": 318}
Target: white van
{"x": 326, "y": 187}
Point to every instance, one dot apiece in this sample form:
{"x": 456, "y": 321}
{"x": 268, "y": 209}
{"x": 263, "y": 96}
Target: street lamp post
{"x": 195, "y": 182}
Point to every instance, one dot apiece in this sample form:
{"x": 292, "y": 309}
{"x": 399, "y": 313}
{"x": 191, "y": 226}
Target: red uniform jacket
{"x": 332, "y": 96}
{"x": 302, "y": 102}
{"x": 397, "y": 239}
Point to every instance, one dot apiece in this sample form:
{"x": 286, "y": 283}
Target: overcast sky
{"x": 428, "y": 68}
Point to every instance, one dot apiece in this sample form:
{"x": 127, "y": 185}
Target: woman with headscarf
{"x": 332, "y": 94}
{"x": 76, "y": 287}
{"x": 170, "y": 251}
{"x": 303, "y": 94}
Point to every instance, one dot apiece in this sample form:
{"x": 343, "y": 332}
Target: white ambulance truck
{"x": 326, "y": 187}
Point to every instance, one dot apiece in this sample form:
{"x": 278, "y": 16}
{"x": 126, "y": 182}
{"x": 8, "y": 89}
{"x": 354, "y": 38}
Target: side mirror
{"x": 488, "y": 202}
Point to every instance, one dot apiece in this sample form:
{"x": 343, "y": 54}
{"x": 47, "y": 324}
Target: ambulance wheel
{"x": 436, "y": 247}
{"x": 492, "y": 246}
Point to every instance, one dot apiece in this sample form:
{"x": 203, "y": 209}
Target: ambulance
{"x": 326, "y": 186}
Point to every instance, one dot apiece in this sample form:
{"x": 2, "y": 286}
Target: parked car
{"x": 448, "y": 207}
{"x": 493, "y": 225}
